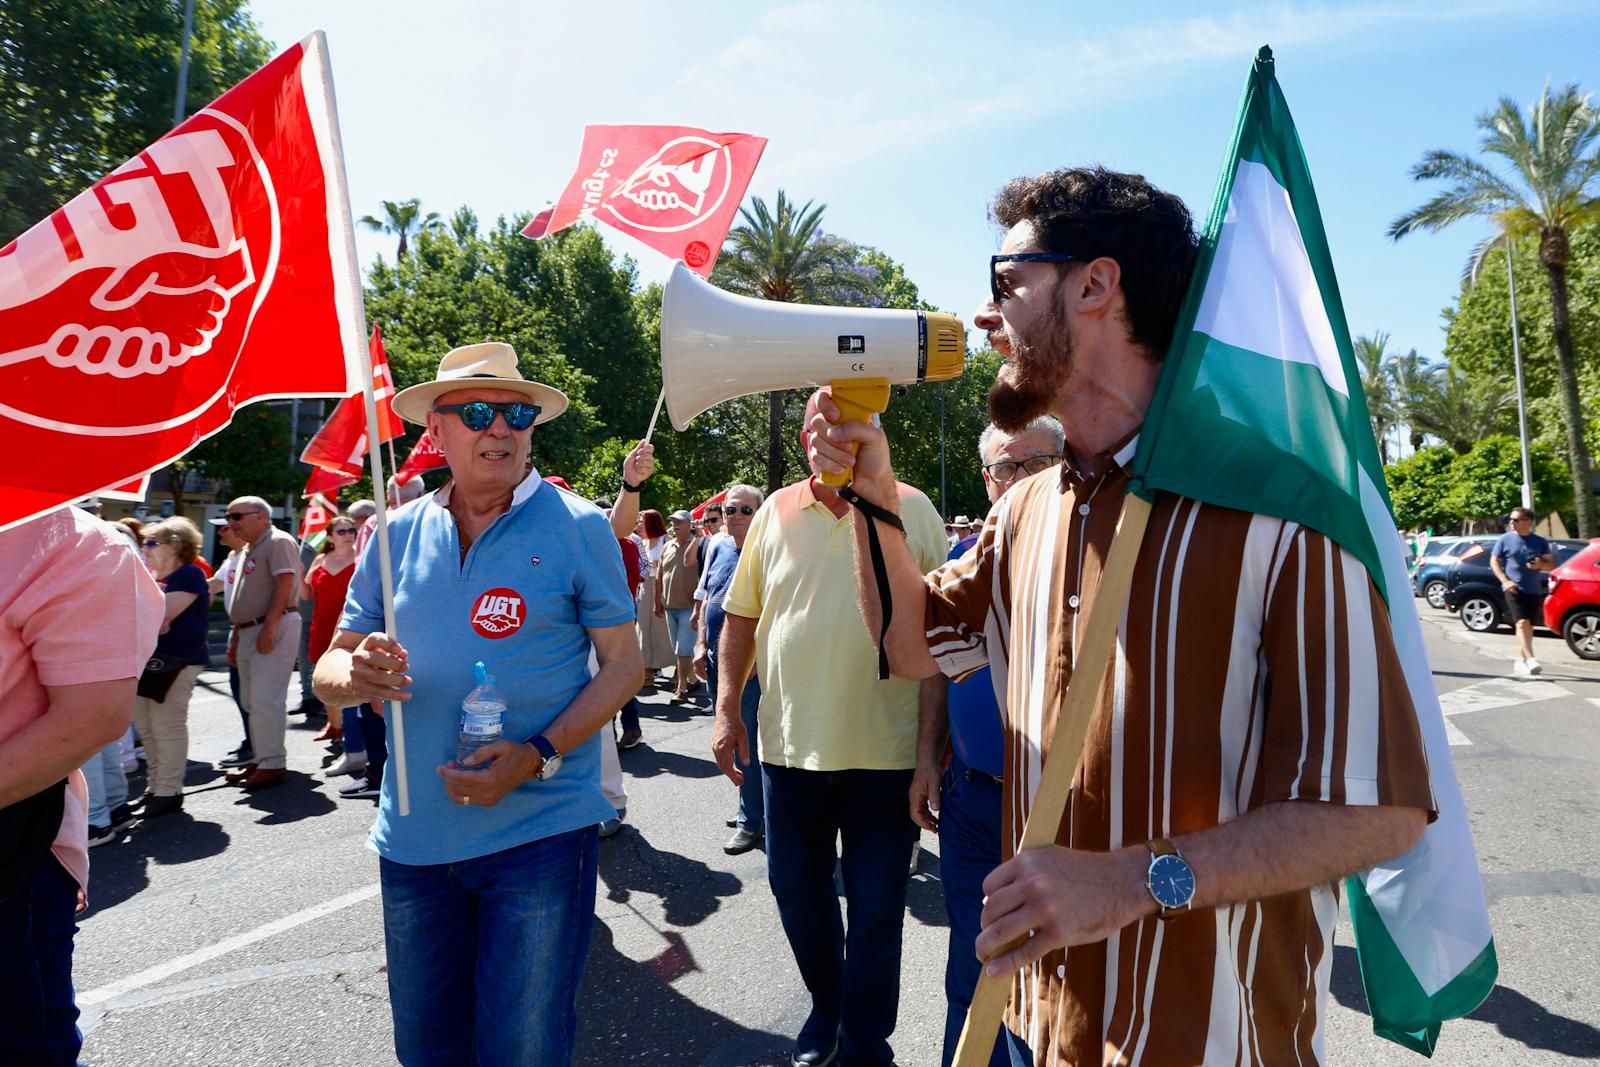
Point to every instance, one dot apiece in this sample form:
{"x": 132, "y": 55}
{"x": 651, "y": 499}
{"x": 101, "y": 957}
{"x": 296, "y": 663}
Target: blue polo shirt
{"x": 542, "y": 574}
{"x": 1514, "y": 551}
{"x": 974, "y": 712}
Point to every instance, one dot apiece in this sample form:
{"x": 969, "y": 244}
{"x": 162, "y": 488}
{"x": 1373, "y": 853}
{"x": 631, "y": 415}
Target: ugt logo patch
{"x": 499, "y": 613}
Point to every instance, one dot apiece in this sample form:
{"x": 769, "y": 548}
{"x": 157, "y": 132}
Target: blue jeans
{"x": 38, "y": 1017}
{"x": 486, "y": 955}
{"x": 969, "y": 848}
{"x": 752, "y": 804}
{"x": 354, "y": 740}
{"x": 375, "y": 736}
{"x": 108, "y": 786}
{"x": 853, "y": 977}
{"x": 630, "y": 714}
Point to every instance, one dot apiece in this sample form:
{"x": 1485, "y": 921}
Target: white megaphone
{"x": 716, "y": 346}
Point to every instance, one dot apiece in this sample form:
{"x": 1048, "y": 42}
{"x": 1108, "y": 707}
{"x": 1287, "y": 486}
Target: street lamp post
{"x": 1522, "y": 393}
{"x": 178, "y": 106}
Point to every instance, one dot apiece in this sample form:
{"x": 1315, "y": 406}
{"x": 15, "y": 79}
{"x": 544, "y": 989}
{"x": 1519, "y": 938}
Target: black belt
{"x": 972, "y": 774}
{"x": 247, "y": 625}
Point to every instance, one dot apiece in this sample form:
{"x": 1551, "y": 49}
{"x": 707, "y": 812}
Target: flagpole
{"x": 395, "y": 716}
{"x": 1061, "y": 766}
{"x": 654, "y": 415}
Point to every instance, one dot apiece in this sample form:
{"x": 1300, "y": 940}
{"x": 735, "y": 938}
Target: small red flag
{"x": 215, "y": 268}
{"x": 700, "y": 511}
{"x": 314, "y": 524}
{"x": 675, "y": 188}
{"x": 323, "y": 480}
{"x": 425, "y": 456}
{"x": 341, "y": 443}
{"x": 389, "y": 425}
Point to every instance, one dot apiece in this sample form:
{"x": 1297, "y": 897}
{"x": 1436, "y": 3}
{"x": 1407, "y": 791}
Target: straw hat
{"x": 491, "y": 365}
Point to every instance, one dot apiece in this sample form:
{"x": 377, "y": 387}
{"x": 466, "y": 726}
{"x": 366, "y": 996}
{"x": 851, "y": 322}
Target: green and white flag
{"x": 1260, "y": 408}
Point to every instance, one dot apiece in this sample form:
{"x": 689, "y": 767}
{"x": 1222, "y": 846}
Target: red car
{"x": 1573, "y": 607}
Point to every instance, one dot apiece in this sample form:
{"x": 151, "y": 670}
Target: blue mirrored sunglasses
{"x": 479, "y": 414}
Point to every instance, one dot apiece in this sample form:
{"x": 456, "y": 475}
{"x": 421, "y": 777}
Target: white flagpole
{"x": 341, "y": 203}
{"x": 654, "y": 415}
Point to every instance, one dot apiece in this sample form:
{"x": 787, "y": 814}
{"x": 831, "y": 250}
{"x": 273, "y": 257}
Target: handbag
{"x": 155, "y": 681}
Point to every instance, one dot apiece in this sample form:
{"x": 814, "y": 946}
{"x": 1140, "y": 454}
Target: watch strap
{"x": 629, "y": 487}
{"x": 547, "y": 751}
{"x": 1160, "y": 846}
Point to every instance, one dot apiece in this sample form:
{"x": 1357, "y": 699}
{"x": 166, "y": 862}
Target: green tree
{"x": 1460, "y": 411}
{"x": 1488, "y": 480}
{"x": 250, "y": 457}
{"x": 1551, "y": 189}
{"x": 1420, "y": 486}
{"x": 1377, "y": 386}
{"x": 403, "y": 219}
{"x": 781, "y": 253}
{"x": 85, "y": 85}
{"x": 1411, "y": 378}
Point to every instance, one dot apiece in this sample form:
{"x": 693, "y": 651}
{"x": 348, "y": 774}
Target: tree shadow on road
{"x": 629, "y": 1012}
{"x": 1518, "y": 1017}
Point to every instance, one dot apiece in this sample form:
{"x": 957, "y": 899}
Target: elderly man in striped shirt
{"x": 1255, "y": 733}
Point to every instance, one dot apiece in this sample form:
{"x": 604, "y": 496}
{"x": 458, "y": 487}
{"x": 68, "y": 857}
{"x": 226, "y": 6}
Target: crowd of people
{"x": 844, "y": 725}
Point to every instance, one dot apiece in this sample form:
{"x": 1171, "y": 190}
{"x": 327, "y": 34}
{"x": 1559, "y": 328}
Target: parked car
{"x": 1573, "y": 607}
{"x": 1428, "y": 579}
{"x": 1472, "y": 589}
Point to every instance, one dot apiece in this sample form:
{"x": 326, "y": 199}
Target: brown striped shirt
{"x": 1254, "y": 664}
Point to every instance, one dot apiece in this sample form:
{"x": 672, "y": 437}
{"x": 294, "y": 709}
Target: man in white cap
{"x": 489, "y": 883}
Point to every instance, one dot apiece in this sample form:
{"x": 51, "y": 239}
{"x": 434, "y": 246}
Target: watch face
{"x": 1171, "y": 881}
{"x": 550, "y": 766}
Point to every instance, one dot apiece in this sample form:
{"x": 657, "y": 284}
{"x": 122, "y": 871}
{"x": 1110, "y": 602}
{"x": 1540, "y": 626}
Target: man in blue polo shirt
{"x": 489, "y": 883}
{"x": 962, "y": 805}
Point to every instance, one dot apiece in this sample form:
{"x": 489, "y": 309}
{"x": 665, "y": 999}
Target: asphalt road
{"x": 248, "y": 930}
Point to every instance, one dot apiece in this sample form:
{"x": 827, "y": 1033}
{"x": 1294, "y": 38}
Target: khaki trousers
{"x": 164, "y": 729}
{"x": 264, "y": 689}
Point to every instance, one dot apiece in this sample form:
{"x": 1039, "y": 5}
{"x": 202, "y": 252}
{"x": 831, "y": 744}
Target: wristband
{"x": 629, "y": 487}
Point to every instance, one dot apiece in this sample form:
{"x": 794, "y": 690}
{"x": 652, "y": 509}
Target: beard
{"x": 1030, "y": 381}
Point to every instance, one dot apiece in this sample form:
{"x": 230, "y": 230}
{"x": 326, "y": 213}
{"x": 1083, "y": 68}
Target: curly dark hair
{"x": 1093, "y": 212}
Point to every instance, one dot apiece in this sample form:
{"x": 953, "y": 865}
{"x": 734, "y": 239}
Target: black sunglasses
{"x": 240, "y": 516}
{"x": 351, "y": 530}
{"x": 479, "y": 414}
{"x": 149, "y": 544}
{"x": 1021, "y": 257}
{"x": 742, "y": 509}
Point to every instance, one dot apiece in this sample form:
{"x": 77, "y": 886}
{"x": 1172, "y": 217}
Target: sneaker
{"x": 630, "y": 738}
{"x": 741, "y": 842}
{"x": 101, "y": 835}
{"x": 158, "y": 806}
{"x": 239, "y": 757}
{"x": 360, "y": 789}
{"x": 353, "y": 763}
{"x": 121, "y": 816}
{"x": 611, "y": 828}
{"x": 1520, "y": 666}
{"x": 1533, "y": 666}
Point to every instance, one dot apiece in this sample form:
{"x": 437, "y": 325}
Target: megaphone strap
{"x": 880, "y": 571}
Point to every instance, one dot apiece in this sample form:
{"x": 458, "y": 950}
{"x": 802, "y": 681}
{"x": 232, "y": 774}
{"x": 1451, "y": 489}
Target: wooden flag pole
{"x": 1066, "y": 750}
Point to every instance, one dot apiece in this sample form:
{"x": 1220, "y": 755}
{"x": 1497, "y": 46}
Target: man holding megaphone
{"x": 1193, "y": 876}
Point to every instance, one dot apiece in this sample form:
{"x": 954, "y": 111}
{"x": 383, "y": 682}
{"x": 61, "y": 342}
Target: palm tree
{"x": 781, "y": 253}
{"x": 1376, "y": 385}
{"x": 1459, "y": 413}
{"x": 1550, "y": 189}
{"x": 1410, "y": 379}
{"x": 402, "y": 219}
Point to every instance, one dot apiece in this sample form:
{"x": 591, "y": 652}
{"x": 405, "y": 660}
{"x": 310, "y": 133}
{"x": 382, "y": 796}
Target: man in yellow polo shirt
{"x": 838, "y": 748}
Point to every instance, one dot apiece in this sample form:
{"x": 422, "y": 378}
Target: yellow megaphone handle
{"x": 859, "y": 399}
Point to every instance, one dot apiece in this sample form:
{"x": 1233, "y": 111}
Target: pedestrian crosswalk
{"x": 1491, "y": 694}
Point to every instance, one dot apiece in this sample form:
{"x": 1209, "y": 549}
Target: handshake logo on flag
{"x": 137, "y": 276}
{"x": 666, "y": 196}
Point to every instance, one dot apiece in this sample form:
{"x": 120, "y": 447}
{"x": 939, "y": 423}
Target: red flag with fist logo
{"x": 213, "y": 269}
{"x": 673, "y": 187}
{"x": 425, "y": 456}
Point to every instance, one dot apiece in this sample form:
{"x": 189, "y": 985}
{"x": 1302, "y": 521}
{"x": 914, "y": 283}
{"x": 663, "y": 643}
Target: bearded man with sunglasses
{"x": 489, "y": 883}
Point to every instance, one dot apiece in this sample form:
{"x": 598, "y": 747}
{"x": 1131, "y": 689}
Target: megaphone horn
{"x": 716, "y": 346}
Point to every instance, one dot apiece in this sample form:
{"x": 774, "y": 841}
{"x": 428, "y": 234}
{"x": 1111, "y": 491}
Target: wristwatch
{"x": 629, "y": 487}
{"x": 551, "y": 758}
{"x": 1170, "y": 879}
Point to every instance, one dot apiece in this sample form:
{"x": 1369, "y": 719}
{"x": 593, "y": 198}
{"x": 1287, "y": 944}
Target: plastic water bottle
{"x": 481, "y": 715}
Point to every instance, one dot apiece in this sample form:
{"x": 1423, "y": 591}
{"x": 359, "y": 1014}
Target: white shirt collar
{"x": 526, "y": 488}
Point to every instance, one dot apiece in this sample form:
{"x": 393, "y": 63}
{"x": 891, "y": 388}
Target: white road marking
{"x": 161, "y": 972}
{"x": 1491, "y": 694}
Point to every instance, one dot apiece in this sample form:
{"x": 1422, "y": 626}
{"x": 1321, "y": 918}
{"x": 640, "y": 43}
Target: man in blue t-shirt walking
{"x": 962, "y": 803}
{"x": 489, "y": 882}
{"x": 1520, "y": 560}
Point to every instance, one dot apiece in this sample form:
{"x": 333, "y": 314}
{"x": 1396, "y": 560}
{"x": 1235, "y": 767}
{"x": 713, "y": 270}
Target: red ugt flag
{"x": 673, "y": 187}
{"x": 215, "y": 268}
{"x": 314, "y": 525}
{"x": 324, "y": 481}
{"x": 341, "y": 444}
{"x": 425, "y": 456}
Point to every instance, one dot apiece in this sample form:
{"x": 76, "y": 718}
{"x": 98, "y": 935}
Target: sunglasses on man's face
{"x": 479, "y": 414}
{"x": 742, "y": 509}
{"x": 240, "y": 516}
{"x": 1000, "y": 288}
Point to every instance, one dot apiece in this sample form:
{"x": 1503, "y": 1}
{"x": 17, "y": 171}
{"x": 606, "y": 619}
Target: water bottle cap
{"x": 481, "y": 673}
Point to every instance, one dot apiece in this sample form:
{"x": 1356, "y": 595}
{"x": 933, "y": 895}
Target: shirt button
{"x": 1072, "y": 601}
{"x": 1083, "y": 509}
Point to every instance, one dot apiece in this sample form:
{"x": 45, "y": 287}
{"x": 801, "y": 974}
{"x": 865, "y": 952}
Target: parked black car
{"x": 1472, "y": 589}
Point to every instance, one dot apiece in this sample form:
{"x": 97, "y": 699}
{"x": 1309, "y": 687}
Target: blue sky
{"x": 904, "y": 118}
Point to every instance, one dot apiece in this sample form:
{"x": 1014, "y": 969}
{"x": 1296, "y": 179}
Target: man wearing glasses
{"x": 266, "y": 633}
{"x": 1520, "y": 560}
{"x": 1253, "y": 739}
{"x": 961, "y": 803}
{"x": 489, "y": 883}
